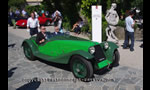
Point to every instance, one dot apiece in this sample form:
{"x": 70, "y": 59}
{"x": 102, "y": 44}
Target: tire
{"x": 28, "y": 52}
{"x": 81, "y": 68}
{"x": 48, "y": 23}
{"x": 116, "y": 59}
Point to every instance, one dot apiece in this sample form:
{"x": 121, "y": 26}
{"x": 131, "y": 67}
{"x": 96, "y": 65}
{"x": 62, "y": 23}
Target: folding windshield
{"x": 52, "y": 36}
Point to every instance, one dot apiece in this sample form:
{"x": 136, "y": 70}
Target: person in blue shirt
{"x": 129, "y": 32}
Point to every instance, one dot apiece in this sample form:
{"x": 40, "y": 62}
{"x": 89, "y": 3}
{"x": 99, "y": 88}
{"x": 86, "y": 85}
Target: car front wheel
{"x": 81, "y": 68}
{"x": 116, "y": 58}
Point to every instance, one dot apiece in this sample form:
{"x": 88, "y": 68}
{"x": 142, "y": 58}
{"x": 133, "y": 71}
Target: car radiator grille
{"x": 99, "y": 53}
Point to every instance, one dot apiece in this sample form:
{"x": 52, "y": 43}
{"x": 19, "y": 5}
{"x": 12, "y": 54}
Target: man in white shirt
{"x": 129, "y": 32}
{"x": 33, "y": 24}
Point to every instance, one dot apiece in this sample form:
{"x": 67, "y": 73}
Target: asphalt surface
{"x": 41, "y": 75}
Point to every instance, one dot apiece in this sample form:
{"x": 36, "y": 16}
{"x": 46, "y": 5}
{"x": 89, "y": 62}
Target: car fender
{"x": 82, "y": 53}
{"x": 33, "y": 47}
{"x": 113, "y": 46}
{"x": 65, "y": 59}
{"x": 110, "y": 51}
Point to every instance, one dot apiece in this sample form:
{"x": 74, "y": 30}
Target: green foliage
{"x": 13, "y": 8}
{"x": 108, "y": 4}
{"x": 86, "y": 11}
{"x": 70, "y": 15}
{"x": 36, "y": 8}
{"x": 16, "y": 3}
{"x": 104, "y": 25}
{"x": 68, "y": 8}
{"x": 121, "y": 23}
{"x": 85, "y": 28}
{"x": 86, "y": 7}
{"x": 66, "y": 23}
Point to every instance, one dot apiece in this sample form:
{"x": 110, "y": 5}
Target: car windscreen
{"x": 62, "y": 36}
{"x": 51, "y": 36}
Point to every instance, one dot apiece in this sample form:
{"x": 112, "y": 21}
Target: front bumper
{"x": 103, "y": 64}
{"x": 101, "y": 61}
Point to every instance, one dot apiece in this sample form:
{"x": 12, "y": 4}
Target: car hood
{"x": 71, "y": 41}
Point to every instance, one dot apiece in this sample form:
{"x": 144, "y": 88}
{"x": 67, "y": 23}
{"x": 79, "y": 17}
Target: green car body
{"x": 62, "y": 48}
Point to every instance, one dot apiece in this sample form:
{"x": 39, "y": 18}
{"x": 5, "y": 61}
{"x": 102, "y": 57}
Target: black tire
{"x": 28, "y": 52}
{"x": 116, "y": 58}
{"x": 48, "y": 23}
{"x": 87, "y": 65}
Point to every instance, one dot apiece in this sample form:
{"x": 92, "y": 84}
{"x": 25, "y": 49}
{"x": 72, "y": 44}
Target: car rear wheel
{"x": 81, "y": 68}
{"x": 28, "y": 52}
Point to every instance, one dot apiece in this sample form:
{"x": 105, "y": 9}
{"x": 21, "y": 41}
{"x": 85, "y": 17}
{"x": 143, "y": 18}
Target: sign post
{"x": 97, "y": 23}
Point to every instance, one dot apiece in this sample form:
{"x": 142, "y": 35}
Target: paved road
{"x": 40, "y": 75}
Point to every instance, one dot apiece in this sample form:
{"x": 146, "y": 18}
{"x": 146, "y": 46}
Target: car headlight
{"x": 23, "y": 23}
{"x": 92, "y": 50}
{"x": 106, "y": 45}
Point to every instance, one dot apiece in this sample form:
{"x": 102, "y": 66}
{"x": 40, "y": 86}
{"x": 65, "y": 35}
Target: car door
{"x": 50, "y": 48}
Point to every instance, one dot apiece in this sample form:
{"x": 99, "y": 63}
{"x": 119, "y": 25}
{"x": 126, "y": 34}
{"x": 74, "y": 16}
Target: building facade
{"x": 34, "y": 2}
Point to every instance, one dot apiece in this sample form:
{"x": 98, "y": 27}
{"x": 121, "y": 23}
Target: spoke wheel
{"x": 81, "y": 68}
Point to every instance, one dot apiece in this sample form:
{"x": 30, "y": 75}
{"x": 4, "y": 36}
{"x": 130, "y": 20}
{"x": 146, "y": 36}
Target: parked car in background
{"x": 42, "y": 21}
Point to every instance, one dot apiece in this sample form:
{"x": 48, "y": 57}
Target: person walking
{"x": 129, "y": 32}
{"x": 11, "y": 19}
{"x": 33, "y": 24}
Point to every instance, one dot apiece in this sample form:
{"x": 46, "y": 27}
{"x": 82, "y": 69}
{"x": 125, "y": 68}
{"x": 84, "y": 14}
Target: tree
{"x": 16, "y": 3}
{"x": 86, "y": 10}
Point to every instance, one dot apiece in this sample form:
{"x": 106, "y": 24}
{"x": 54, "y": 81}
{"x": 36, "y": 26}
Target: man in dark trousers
{"x": 33, "y": 24}
{"x": 129, "y": 33}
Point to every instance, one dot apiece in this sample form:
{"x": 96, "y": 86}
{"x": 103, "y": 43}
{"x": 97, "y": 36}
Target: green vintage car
{"x": 83, "y": 56}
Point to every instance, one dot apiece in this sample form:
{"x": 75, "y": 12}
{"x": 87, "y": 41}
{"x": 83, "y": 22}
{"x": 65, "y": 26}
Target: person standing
{"x": 11, "y": 19}
{"x": 129, "y": 32}
{"x": 36, "y": 14}
{"x": 24, "y": 13}
{"x": 57, "y": 19}
{"x": 33, "y": 24}
{"x": 17, "y": 12}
